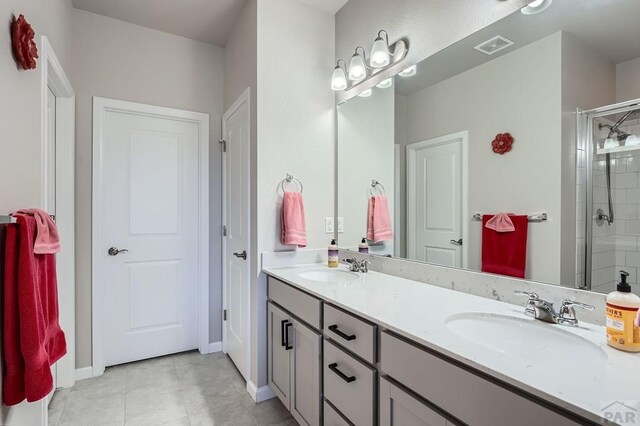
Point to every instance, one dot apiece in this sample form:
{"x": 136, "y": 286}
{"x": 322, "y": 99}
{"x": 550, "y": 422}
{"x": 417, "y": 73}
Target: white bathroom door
{"x": 149, "y": 229}
{"x": 236, "y": 235}
{"x": 435, "y": 200}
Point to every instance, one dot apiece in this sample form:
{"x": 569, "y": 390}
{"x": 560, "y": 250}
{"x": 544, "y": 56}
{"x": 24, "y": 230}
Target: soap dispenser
{"x": 622, "y": 309}
{"x": 363, "y": 247}
{"x": 334, "y": 256}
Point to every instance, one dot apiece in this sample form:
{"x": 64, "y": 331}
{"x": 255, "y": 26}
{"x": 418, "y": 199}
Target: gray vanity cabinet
{"x": 295, "y": 352}
{"x": 398, "y": 408}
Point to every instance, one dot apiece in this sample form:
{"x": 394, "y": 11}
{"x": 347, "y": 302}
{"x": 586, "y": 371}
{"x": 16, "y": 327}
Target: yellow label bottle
{"x": 333, "y": 255}
{"x": 622, "y": 309}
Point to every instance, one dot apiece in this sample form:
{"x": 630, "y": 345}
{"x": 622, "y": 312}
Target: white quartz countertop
{"x": 420, "y": 311}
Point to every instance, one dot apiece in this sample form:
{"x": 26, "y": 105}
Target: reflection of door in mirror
{"x": 436, "y": 188}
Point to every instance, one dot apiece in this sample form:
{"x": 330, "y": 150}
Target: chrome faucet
{"x": 357, "y": 266}
{"x": 542, "y": 310}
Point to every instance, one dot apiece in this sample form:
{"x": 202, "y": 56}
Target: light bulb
{"x": 365, "y": 93}
{"x": 380, "y": 53}
{"x": 357, "y": 68}
{"x": 409, "y": 72}
{"x": 338, "y": 79}
{"x": 385, "y": 83}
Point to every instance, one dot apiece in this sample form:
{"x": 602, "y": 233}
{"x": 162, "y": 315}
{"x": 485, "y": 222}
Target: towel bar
{"x": 535, "y": 217}
{"x": 7, "y": 219}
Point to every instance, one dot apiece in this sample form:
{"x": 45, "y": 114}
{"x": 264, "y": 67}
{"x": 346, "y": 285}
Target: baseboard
{"x": 259, "y": 394}
{"x": 84, "y": 373}
{"x": 214, "y": 347}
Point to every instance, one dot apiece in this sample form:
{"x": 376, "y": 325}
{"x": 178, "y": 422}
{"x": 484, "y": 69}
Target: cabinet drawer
{"x": 332, "y": 417}
{"x": 398, "y": 408}
{"x": 300, "y": 304}
{"x": 459, "y": 392}
{"x": 351, "y": 332}
{"x": 349, "y": 385}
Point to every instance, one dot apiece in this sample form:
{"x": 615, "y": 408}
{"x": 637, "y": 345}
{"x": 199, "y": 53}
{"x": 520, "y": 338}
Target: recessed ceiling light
{"x": 385, "y": 83}
{"x": 536, "y": 6}
{"x": 409, "y": 72}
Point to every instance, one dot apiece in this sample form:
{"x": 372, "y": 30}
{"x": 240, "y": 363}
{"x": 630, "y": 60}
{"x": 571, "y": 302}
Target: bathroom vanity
{"x": 374, "y": 349}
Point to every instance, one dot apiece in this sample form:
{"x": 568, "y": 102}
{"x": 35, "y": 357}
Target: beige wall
{"x": 118, "y": 60}
{"x": 20, "y": 153}
{"x": 628, "y": 86}
{"x": 430, "y": 26}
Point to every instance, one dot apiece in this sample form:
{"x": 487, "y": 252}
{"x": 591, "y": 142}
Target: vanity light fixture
{"x": 536, "y": 6}
{"x": 409, "y": 72}
{"x": 361, "y": 68}
{"x": 384, "y": 84}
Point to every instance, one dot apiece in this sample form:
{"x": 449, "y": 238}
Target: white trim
{"x": 84, "y": 373}
{"x": 245, "y": 97}
{"x": 411, "y": 195}
{"x": 54, "y": 77}
{"x": 214, "y": 347}
{"x": 259, "y": 394}
{"x": 100, "y": 107}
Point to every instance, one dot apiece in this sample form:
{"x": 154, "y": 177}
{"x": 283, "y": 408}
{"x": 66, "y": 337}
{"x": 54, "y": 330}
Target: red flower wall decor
{"x": 502, "y": 143}
{"x": 24, "y": 47}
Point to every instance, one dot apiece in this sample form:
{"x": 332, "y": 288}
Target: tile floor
{"x": 182, "y": 389}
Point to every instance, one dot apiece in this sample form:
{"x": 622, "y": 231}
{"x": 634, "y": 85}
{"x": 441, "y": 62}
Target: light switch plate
{"x": 329, "y": 225}
{"x": 340, "y": 225}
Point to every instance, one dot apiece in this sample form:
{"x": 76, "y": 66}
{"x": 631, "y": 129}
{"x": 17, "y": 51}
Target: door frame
{"x": 54, "y": 77}
{"x": 100, "y": 107}
{"x": 245, "y": 97}
{"x": 411, "y": 195}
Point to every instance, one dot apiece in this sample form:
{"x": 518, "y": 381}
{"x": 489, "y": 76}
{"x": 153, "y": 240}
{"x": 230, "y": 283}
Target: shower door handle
{"x": 456, "y": 242}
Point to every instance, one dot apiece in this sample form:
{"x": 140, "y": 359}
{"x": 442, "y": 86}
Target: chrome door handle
{"x": 114, "y": 251}
{"x": 242, "y": 255}
{"x": 456, "y": 242}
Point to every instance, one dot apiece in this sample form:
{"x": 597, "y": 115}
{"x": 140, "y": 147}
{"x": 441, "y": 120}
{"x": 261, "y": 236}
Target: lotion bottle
{"x": 622, "y": 308}
{"x": 363, "y": 247}
{"x": 333, "y": 255}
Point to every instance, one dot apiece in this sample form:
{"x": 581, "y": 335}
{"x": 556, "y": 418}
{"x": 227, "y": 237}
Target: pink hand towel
{"x": 292, "y": 221}
{"x": 47, "y": 239}
{"x": 501, "y": 222}
{"x": 379, "y": 222}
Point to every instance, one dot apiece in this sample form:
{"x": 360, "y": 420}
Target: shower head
{"x": 615, "y": 128}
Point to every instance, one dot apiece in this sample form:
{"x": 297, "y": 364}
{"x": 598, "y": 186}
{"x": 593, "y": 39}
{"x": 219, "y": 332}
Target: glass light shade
{"x": 610, "y": 143}
{"x": 632, "y": 140}
{"x": 357, "y": 68}
{"x": 385, "y": 83}
{"x": 338, "y": 79}
{"x": 409, "y": 72}
{"x": 380, "y": 57}
{"x": 365, "y": 93}
{"x": 536, "y": 6}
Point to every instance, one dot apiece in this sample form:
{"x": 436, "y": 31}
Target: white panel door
{"x": 435, "y": 201}
{"x": 150, "y": 209}
{"x": 235, "y": 124}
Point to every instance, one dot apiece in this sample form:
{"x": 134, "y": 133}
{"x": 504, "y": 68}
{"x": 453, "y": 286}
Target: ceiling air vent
{"x": 493, "y": 45}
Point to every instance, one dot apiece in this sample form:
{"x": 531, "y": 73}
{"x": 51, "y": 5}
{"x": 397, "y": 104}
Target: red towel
{"x": 505, "y": 253}
{"x": 33, "y": 340}
{"x": 378, "y": 220}
{"x": 292, "y": 221}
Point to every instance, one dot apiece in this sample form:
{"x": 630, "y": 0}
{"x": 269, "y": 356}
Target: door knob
{"x": 242, "y": 255}
{"x": 114, "y": 251}
{"x": 457, "y": 243}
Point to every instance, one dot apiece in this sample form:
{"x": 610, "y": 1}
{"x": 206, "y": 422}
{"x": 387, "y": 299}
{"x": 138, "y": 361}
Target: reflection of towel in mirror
{"x": 501, "y": 223}
{"x": 505, "y": 253}
{"x": 292, "y": 221}
{"x": 378, "y": 219}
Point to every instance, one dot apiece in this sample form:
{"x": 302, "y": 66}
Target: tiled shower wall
{"x": 617, "y": 246}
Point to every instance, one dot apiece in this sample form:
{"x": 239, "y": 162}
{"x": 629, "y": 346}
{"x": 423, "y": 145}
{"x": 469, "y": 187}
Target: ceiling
{"x": 609, "y": 26}
{"x": 210, "y": 21}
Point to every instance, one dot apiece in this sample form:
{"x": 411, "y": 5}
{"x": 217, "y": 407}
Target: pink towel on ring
{"x": 378, "y": 221}
{"x": 47, "y": 239}
{"x": 501, "y": 222}
{"x": 292, "y": 221}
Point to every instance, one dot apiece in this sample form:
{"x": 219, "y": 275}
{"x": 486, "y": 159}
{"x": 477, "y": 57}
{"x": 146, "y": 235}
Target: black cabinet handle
{"x": 348, "y": 337}
{"x": 334, "y": 367}
{"x": 286, "y": 333}
{"x": 282, "y": 332}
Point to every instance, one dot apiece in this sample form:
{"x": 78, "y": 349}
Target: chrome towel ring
{"x": 291, "y": 179}
{"x": 374, "y": 185}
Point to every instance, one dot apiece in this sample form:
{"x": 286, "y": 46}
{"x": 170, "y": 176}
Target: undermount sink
{"x": 330, "y": 276}
{"x": 531, "y": 340}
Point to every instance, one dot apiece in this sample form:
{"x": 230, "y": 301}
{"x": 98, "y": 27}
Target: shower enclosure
{"x": 608, "y": 196}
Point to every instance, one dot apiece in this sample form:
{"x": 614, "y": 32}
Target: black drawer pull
{"x": 286, "y": 333}
{"x": 348, "y": 337}
{"x": 334, "y": 367}
{"x": 282, "y": 332}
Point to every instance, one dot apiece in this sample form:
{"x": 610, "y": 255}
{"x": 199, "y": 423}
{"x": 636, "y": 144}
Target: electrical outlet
{"x": 329, "y": 225}
{"x": 340, "y": 225}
